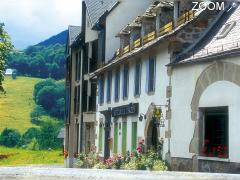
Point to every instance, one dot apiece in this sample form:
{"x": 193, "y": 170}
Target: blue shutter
{"x": 99, "y": 91}
{"x": 147, "y": 76}
{"x": 154, "y": 79}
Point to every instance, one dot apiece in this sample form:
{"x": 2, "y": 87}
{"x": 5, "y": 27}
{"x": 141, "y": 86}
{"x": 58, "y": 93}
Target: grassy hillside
{"x": 17, "y": 157}
{"x": 17, "y": 104}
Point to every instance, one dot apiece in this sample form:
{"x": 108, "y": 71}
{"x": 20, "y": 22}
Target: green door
{"x": 100, "y": 139}
{"x": 115, "y": 148}
{"x": 134, "y": 136}
{"x": 124, "y": 138}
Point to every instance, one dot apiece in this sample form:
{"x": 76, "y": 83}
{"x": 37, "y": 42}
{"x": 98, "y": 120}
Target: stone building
{"x": 167, "y": 59}
{"x": 163, "y": 73}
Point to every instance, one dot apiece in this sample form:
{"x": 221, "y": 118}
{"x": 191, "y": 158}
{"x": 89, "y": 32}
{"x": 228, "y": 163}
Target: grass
{"x": 17, "y": 104}
{"x": 21, "y": 157}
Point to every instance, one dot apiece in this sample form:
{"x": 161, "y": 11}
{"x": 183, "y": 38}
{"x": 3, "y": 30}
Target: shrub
{"x": 159, "y": 165}
{"x": 33, "y": 145}
{"x": 10, "y": 137}
{"x": 88, "y": 160}
{"x": 48, "y": 135}
{"x": 29, "y": 135}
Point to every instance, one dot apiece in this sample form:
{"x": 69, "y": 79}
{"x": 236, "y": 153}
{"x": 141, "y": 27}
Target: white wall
{"x": 221, "y": 93}
{"x": 90, "y": 35}
{"x": 123, "y": 14}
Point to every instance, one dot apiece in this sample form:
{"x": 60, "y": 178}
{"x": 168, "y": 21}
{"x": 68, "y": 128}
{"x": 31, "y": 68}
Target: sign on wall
{"x": 129, "y": 109}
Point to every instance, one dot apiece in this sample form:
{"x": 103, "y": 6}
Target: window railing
{"x": 166, "y": 29}
{"x": 153, "y": 35}
{"x": 149, "y": 37}
{"x": 185, "y": 17}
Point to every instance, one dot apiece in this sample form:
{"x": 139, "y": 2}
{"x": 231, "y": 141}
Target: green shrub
{"x": 33, "y": 145}
{"x": 159, "y": 166}
{"x": 30, "y": 134}
{"x": 48, "y": 135}
{"x": 87, "y": 160}
{"x": 10, "y": 137}
{"x": 100, "y": 165}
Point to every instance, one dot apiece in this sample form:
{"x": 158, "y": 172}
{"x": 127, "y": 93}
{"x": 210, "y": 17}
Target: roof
{"x": 73, "y": 32}
{"x": 61, "y": 134}
{"x": 212, "y": 45}
{"x": 97, "y": 8}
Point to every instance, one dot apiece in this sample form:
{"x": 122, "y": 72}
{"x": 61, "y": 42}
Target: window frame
{"x": 101, "y": 90}
{"x": 125, "y": 82}
{"x": 202, "y": 143}
{"x": 109, "y": 87}
{"x": 117, "y": 84}
{"x": 137, "y": 79}
{"x": 149, "y": 73}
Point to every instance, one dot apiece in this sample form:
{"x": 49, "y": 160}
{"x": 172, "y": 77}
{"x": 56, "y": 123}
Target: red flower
{"x": 139, "y": 150}
{"x": 206, "y": 141}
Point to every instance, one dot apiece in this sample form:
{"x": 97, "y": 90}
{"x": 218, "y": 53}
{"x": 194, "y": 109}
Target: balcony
{"x": 169, "y": 27}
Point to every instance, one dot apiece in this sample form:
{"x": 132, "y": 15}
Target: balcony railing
{"x": 153, "y": 35}
{"x": 149, "y": 37}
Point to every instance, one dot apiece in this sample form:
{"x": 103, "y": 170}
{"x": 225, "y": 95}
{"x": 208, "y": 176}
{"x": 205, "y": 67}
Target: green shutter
{"x": 115, "y": 150}
{"x": 134, "y": 136}
{"x": 100, "y": 139}
{"x": 124, "y": 138}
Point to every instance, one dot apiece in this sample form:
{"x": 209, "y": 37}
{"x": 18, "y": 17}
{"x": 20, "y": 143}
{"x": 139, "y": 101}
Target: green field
{"x": 18, "y": 157}
{"x": 17, "y": 104}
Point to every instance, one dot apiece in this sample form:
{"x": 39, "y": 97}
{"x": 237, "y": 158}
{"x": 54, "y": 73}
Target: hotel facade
{"x": 170, "y": 76}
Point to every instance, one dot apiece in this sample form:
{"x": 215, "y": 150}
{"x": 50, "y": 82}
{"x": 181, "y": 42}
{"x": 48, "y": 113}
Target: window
{"x": 137, "y": 85}
{"x": 151, "y": 75}
{"x": 134, "y": 136}
{"x": 117, "y": 85}
{"x": 125, "y": 81}
{"x": 76, "y": 100}
{"x": 227, "y": 28}
{"x": 77, "y": 67}
{"x": 109, "y": 86}
{"x": 101, "y": 90}
{"x": 215, "y": 132}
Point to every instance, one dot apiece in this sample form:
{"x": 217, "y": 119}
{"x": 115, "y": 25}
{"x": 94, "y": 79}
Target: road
{"x": 56, "y": 173}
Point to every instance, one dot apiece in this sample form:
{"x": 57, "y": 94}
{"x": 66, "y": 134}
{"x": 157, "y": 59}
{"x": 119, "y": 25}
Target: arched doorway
{"x": 152, "y": 136}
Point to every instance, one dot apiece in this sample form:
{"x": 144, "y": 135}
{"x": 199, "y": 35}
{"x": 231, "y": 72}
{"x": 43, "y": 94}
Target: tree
{"x": 41, "y": 84}
{"x": 47, "y": 97}
{"x": 48, "y": 135}
{"x": 10, "y": 137}
{"x": 5, "y": 48}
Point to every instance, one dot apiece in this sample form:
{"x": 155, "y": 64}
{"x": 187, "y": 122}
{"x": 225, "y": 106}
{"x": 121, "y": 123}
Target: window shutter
{"x": 124, "y": 138}
{"x": 115, "y": 150}
{"x": 147, "y": 76}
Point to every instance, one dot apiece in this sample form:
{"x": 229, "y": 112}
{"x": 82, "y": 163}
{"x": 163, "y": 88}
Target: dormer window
{"x": 227, "y": 28}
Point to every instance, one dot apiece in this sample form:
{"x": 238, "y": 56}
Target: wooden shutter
{"x": 115, "y": 150}
{"x": 124, "y": 138}
{"x": 134, "y": 136}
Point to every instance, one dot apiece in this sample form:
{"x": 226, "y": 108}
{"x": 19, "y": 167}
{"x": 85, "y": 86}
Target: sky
{"x": 29, "y": 22}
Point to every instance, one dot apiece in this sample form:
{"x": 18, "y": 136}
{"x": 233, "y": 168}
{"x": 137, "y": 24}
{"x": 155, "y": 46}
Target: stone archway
{"x": 218, "y": 71}
{"x": 151, "y": 133}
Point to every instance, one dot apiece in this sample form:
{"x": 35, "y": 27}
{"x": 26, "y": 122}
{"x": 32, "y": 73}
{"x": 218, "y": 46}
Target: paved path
{"x": 37, "y": 173}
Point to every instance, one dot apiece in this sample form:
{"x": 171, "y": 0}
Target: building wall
{"x": 125, "y": 12}
{"x": 145, "y": 99}
{"x": 220, "y": 93}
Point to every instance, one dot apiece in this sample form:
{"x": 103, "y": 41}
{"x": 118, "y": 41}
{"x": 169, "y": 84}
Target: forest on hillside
{"x": 39, "y": 61}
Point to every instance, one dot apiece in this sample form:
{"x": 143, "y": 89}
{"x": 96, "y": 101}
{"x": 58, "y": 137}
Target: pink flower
{"x": 141, "y": 141}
